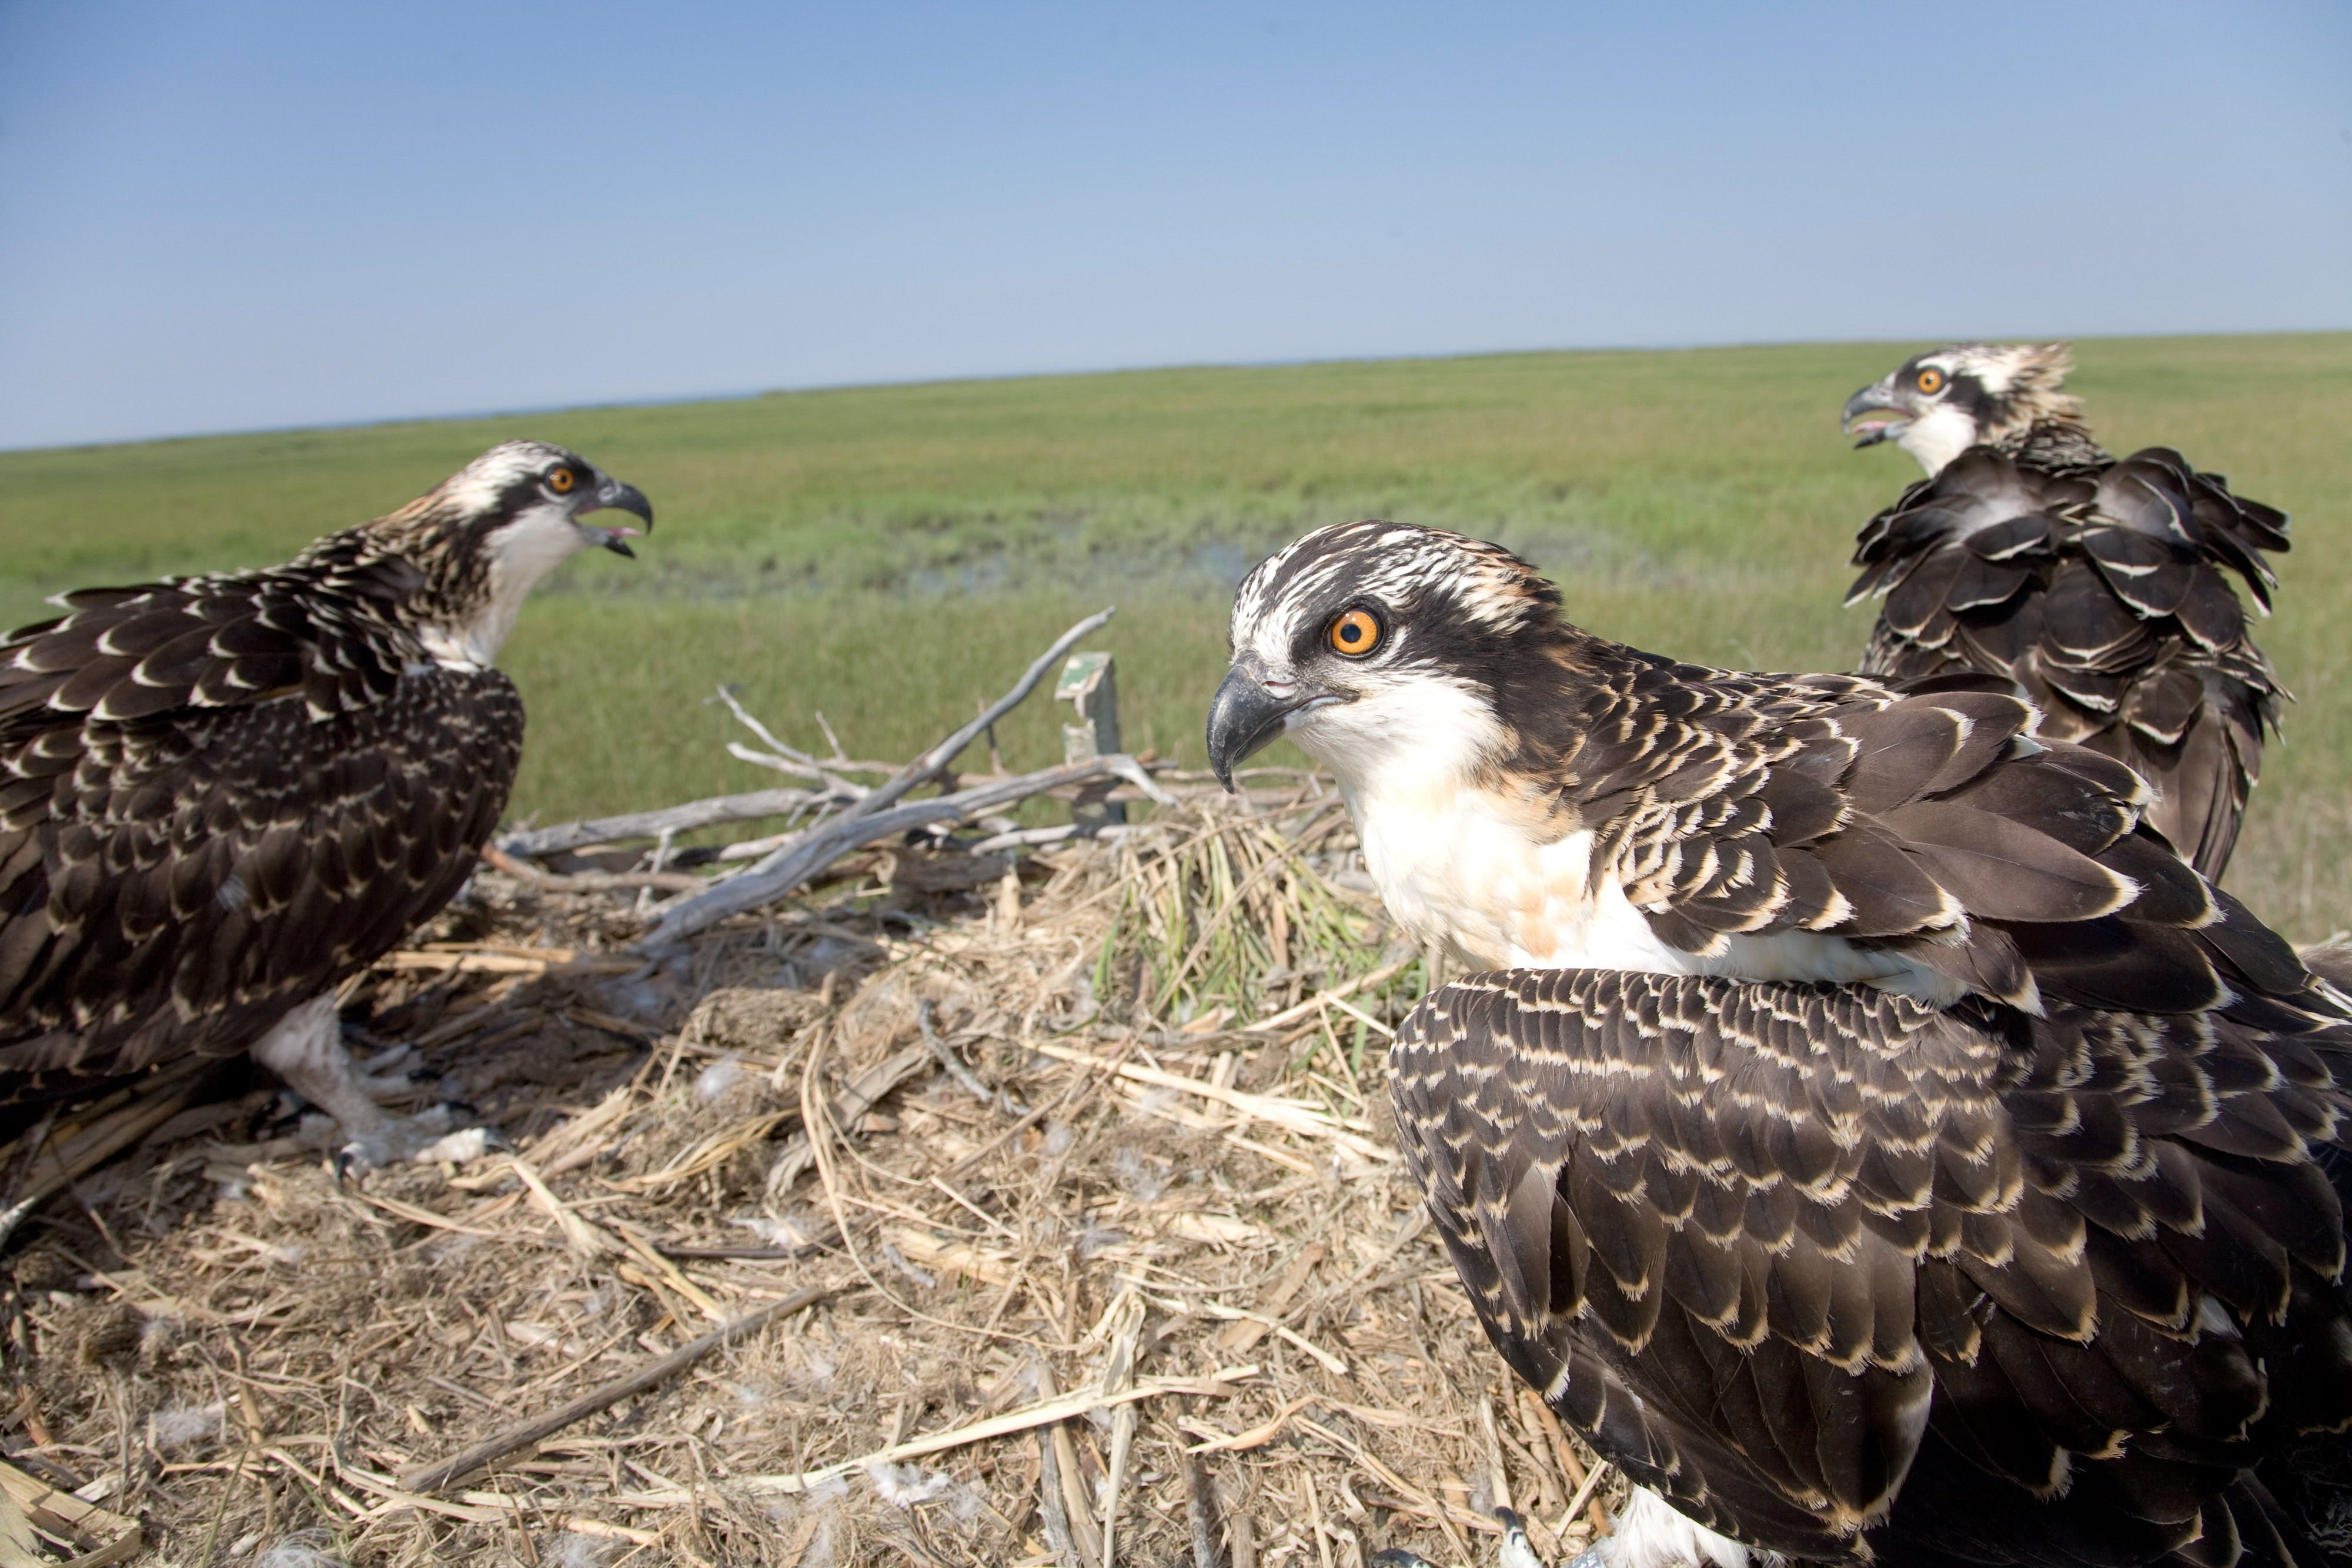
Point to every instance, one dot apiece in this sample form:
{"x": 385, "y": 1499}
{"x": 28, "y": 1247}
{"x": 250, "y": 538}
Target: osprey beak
{"x": 1245, "y": 718}
{"x": 614, "y": 495}
{"x": 1872, "y": 415}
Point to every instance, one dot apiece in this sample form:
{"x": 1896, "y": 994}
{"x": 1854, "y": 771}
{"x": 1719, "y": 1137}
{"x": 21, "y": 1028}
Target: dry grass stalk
{"x": 95, "y": 1535}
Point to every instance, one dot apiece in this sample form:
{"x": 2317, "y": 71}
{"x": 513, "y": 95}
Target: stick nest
{"x": 1002, "y": 1110}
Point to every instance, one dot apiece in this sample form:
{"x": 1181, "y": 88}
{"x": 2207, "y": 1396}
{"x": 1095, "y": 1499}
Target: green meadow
{"x": 892, "y": 556}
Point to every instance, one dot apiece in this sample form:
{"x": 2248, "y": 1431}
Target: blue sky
{"x": 250, "y": 215}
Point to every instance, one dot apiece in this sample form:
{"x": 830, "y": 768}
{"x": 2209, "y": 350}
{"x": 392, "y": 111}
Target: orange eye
{"x": 561, "y": 481}
{"x": 1931, "y": 382}
{"x": 1356, "y": 634}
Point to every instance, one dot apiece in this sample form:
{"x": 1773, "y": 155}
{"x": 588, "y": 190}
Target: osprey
{"x": 1874, "y": 1138}
{"x": 221, "y": 796}
{"x": 2101, "y": 587}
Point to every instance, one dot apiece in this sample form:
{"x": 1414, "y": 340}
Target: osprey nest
{"x": 985, "y": 1195}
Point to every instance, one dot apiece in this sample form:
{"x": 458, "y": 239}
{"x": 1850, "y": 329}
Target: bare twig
{"x": 864, "y": 821}
{"x": 839, "y": 757}
{"x": 1028, "y": 837}
{"x": 787, "y": 759}
{"x": 434, "y": 1477}
{"x": 460, "y": 959}
{"x": 752, "y": 849}
{"x": 693, "y": 814}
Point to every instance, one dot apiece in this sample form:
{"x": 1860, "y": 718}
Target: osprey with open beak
{"x": 2101, "y": 587}
{"x": 222, "y": 796}
{"x": 1937, "y": 404}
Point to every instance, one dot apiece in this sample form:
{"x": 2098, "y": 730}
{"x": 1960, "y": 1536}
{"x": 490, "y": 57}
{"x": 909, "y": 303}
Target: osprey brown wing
{"x": 1828, "y": 1267}
{"x": 2103, "y": 591}
{"x": 217, "y": 799}
{"x": 1929, "y": 820}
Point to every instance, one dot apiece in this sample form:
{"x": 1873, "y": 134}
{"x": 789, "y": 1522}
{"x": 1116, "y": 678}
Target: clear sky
{"x": 235, "y": 214}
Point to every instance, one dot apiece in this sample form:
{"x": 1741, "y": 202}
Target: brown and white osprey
{"x": 2100, "y": 586}
{"x": 220, "y": 796}
{"x": 1874, "y": 1139}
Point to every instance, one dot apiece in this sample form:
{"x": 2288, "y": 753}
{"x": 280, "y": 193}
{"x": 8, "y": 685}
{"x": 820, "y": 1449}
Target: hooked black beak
{"x": 1245, "y": 718}
{"x": 612, "y": 495}
{"x": 1876, "y": 399}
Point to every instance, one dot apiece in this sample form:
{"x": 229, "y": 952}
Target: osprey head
{"x": 484, "y": 537}
{"x": 1363, "y": 640}
{"x": 1937, "y": 404}
{"x": 528, "y": 497}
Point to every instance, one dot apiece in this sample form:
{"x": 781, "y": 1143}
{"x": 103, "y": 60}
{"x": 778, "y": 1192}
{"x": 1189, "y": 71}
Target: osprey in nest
{"x": 2101, "y": 587}
{"x": 220, "y": 796}
{"x": 1873, "y": 1137}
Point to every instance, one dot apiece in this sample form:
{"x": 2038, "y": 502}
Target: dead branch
{"x": 807, "y": 853}
{"x": 878, "y": 812}
{"x": 934, "y": 762}
{"x": 533, "y": 843}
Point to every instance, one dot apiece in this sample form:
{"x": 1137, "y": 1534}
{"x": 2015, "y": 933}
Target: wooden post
{"x": 1090, "y": 683}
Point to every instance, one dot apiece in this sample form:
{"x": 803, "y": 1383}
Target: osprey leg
{"x": 306, "y": 1048}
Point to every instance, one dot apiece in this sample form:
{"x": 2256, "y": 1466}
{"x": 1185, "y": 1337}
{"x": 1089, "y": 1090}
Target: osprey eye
{"x": 561, "y": 481}
{"x": 1356, "y": 634}
{"x": 1931, "y": 382}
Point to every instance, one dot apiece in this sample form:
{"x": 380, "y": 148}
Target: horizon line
{"x": 462, "y": 416}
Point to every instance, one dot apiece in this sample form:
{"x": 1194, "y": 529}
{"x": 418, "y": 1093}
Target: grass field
{"x": 892, "y": 556}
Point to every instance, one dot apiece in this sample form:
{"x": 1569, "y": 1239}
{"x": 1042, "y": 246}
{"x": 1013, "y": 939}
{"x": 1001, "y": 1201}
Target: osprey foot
{"x": 362, "y": 1144}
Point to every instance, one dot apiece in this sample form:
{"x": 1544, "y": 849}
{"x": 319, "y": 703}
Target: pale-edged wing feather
{"x": 2104, "y": 592}
{"x": 1825, "y": 1266}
